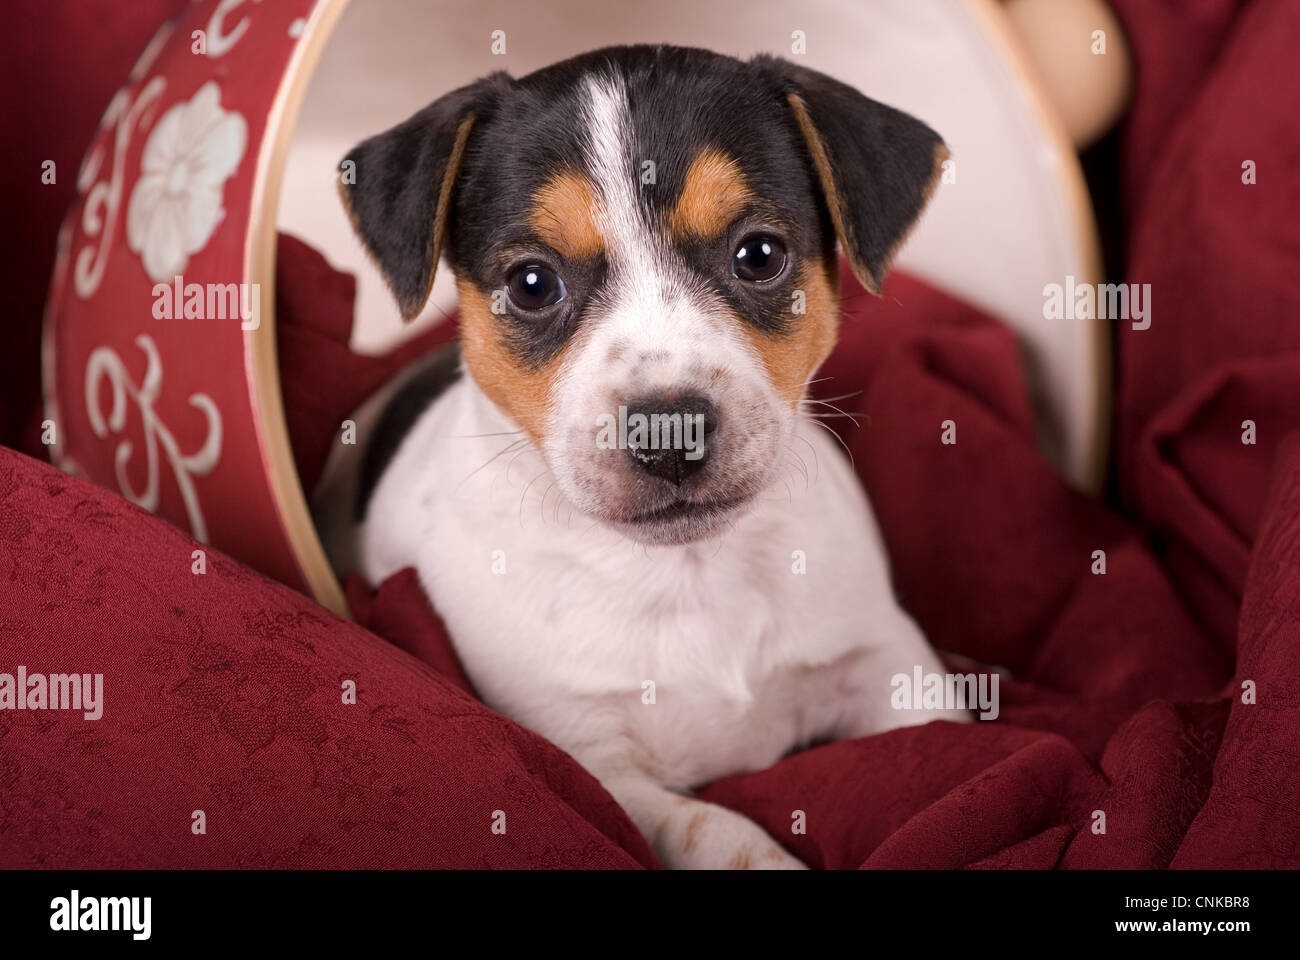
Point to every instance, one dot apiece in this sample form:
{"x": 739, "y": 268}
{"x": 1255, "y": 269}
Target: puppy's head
{"x": 644, "y": 244}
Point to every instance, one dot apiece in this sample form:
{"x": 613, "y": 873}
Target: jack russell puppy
{"x": 645, "y": 235}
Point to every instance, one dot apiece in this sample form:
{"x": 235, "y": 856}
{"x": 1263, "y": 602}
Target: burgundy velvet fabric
{"x": 1217, "y": 86}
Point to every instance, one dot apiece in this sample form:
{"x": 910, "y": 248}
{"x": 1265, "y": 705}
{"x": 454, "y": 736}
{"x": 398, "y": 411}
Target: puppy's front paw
{"x": 714, "y": 838}
{"x": 690, "y": 834}
{"x": 772, "y": 858}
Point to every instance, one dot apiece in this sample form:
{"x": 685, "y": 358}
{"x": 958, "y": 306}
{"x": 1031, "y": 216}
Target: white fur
{"x": 748, "y": 658}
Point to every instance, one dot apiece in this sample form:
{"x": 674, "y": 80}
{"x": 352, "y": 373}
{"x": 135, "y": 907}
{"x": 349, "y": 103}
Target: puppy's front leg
{"x": 689, "y": 834}
{"x": 868, "y": 704}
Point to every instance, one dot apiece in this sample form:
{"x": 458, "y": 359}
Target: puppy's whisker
{"x": 490, "y": 460}
{"x": 835, "y": 415}
{"x": 510, "y": 465}
{"x": 807, "y": 480}
{"x": 722, "y": 539}
{"x": 803, "y": 466}
{"x": 817, "y": 464}
{"x": 541, "y": 506}
{"x": 843, "y": 396}
{"x": 791, "y": 466}
{"x": 523, "y": 496}
{"x": 831, "y": 406}
{"x": 559, "y": 500}
{"x": 838, "y": 439}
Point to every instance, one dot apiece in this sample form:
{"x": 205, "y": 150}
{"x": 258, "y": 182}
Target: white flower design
{"x": 176, "y": 204}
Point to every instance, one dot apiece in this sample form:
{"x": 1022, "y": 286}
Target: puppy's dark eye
{"x": 758, "y": 259}
{"x": 533, "y": 287}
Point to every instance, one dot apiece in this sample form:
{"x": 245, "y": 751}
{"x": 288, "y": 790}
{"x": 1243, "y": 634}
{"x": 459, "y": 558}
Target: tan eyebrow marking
{"x": 713, "y": 195}
{"x": 566, "y": 215}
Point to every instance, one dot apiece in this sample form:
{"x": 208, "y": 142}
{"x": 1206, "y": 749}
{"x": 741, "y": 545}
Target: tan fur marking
{"x": 693, "y": 826}
{"x": 566, "y": 215}
{"x": 439, "y": 237}
{"x": 791, "y": 357}
{"x": 741, "y": 861}
{"x": 713, "y": 196}
{"x": 523, "y": 394}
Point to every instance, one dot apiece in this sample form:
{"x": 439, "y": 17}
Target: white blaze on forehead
{"x": 651, "y": 308}
{"x": 648, "y": 292}
{"x": 610, "y": 163}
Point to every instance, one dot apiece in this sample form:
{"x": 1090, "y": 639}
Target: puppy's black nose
{"x": 674, "y": 442}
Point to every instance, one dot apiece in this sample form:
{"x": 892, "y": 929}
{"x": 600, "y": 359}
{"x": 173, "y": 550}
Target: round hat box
{"x": 232, "y": 123}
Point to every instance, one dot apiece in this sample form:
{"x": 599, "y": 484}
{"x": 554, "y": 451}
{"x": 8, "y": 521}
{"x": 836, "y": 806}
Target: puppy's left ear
{"x": 399, "y": 192}
{"x": 877, "y": 166}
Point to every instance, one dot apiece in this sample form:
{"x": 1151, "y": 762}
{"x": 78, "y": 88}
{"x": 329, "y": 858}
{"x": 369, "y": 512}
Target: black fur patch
{"x": 392, "y": 186}
{"x": 399, "y": 416}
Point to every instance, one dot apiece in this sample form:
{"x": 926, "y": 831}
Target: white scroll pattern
{"x": 105, "y": 363}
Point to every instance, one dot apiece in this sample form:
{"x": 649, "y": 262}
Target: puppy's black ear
{"x": 877, "y": 165}
{"x": 397, "y": 188}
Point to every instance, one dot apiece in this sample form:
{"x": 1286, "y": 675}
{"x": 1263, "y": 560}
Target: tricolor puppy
{"x": 645, "y": 235}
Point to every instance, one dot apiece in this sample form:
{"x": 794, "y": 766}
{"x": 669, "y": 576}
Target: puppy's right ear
{"x": 397, "y": 188}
